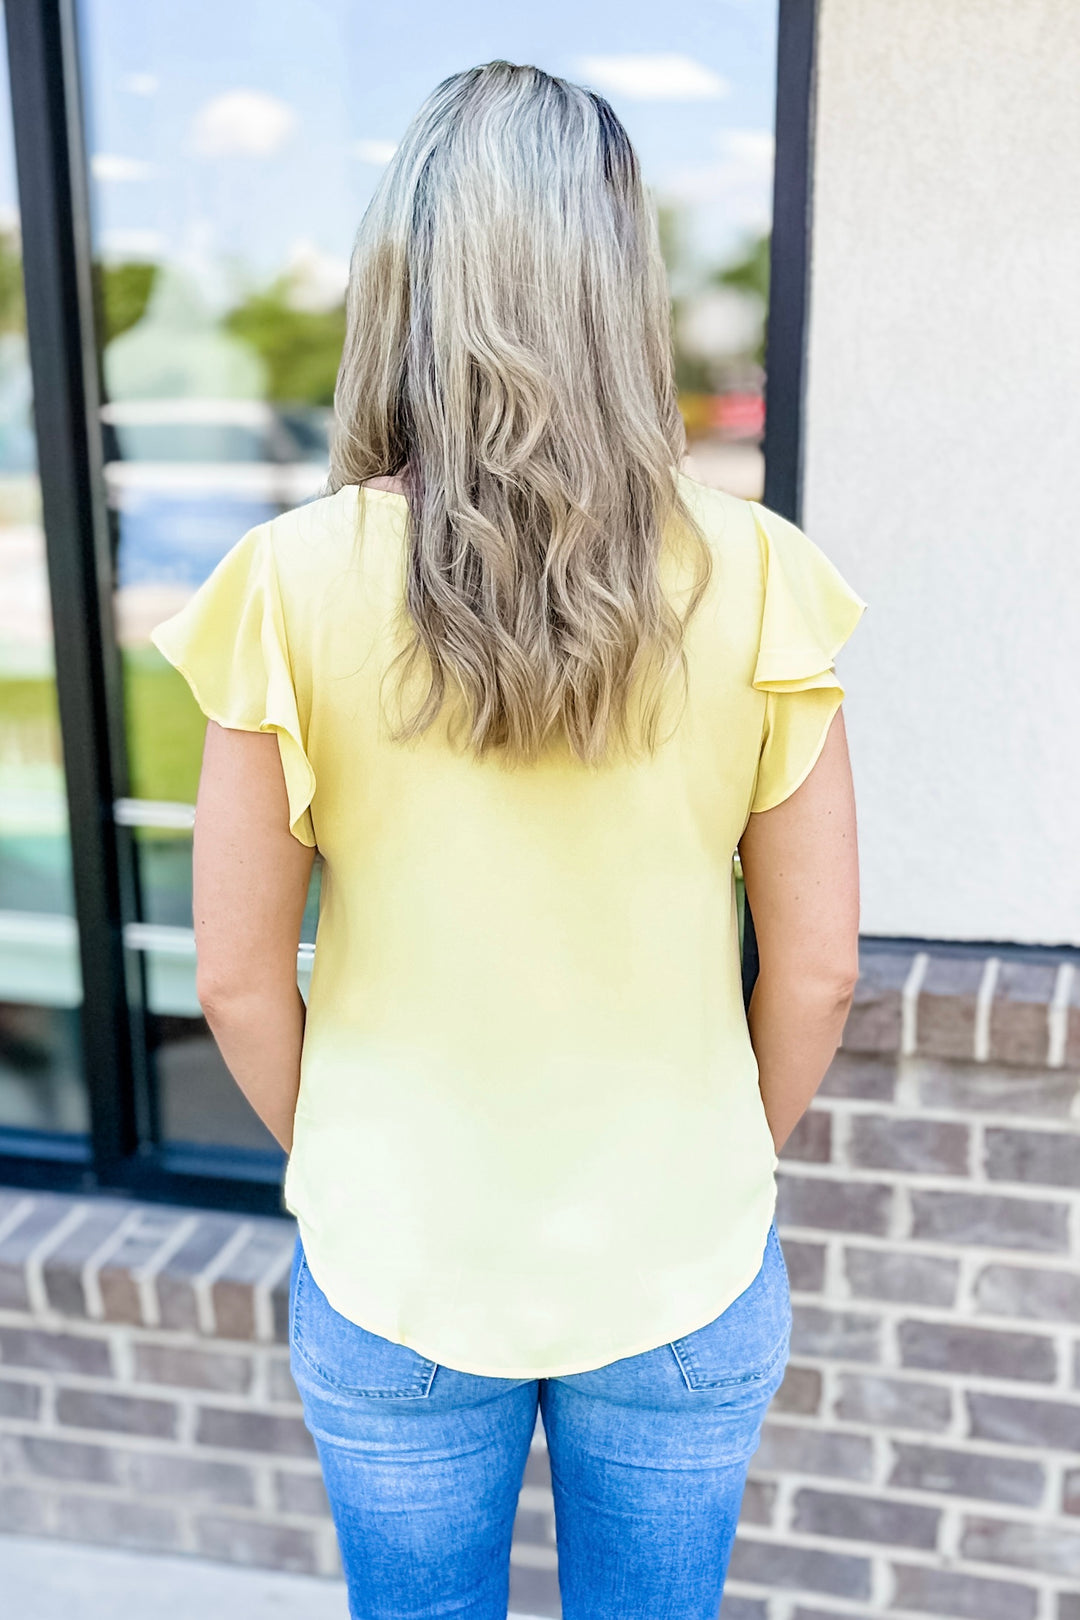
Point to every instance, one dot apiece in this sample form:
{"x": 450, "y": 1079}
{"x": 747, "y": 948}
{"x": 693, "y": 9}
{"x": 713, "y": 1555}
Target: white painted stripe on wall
{"x": 984, "y": 1002}
{"x": 203, "y": 1284}
{"x": 909, "y": 1003}
{"x": 1057, "y": 1015}
{"x": 34, "y": 1264}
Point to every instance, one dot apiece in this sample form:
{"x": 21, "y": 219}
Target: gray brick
{"x": 117, "y": 1522}
{"x": 280, "y": 1380}
{"x": 900, "y": 1276}
{"x": 138, "y": 1248}
{"x": 843, "y": 1206}
{"x": 128, "y": 1414}
{"x": 758, "y": 1504}
{"x": 851, "y": 1074}
{"x": 1019, "y": 1026}
{"x": 939, "y": 1592}
{"x": 1050, "y": 1549}
{"x": 874, "y": 1022}
{"x": 270, "y": 1243}
{"x": 925, "y": 1146}
{"x": 253, "y": 1431}
{"x": 63, "y": 1267}
{"x": 820, "y": 1614}
{"x": 847, "y": 1335}
{"x": 166, "y": 1474}
{"x": 19, "y": 1400}
{"x": 258, "y": 1542}
{"x": 866, "y": 1518}
{"x": 174, "y": 1284}
{"x": 57, "y": 1459}
{"x": 55, "y": 1352}
{"x": 811, "y": 1140}
{"x": 1068, "y": 1606}
{"x": 832, "y": 1614}
{"x": 44, "y": 1215}
{"x": 810, "y": 1569}
{"x": 1018, "y": 1422}
{"x": 300, "y": 1493}
{"x": 538, "y": 1467}
{"x": 967, "y": 1473}
{"x": 800, "y": 1391}
{"x": 893, "y": 1403}
{"x": 995, "y": 1089}
{"x": 1028, "y": 1291}
{"x": 805, "y": 1263}
{"x": 992, "y": 1352}
{"x": 227, "y": 1372}
{"x": 790, "y": 1448}
{"x": 1036, "y": 1158}
{"x": 22, "y": 1512}
{"x": 990, "y": 1218}
{"x": 946, "y": 1013}
{"x": 743, "y": 1608}
{"x": 1070, "y": 1493}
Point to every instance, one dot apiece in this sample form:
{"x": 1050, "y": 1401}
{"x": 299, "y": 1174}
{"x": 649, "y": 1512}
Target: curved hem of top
{"x": 566, "y": 1370}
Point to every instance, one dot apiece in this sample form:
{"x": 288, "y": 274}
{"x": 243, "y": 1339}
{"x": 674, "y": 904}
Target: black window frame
{"x": 62, "y": 314}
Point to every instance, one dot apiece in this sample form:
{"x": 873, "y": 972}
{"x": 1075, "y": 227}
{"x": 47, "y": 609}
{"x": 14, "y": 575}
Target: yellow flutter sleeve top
{"x": 529, "y": 1138}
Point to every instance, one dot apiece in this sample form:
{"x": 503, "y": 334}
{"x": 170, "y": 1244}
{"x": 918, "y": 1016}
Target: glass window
{"x": 41, "y": 1085}
{"x": 227, "y": 187}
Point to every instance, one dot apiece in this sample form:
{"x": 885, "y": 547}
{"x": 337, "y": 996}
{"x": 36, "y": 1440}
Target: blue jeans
{"x": 649, "y": 1455}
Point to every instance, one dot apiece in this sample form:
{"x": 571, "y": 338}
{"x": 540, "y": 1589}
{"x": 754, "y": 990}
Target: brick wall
{"x": 922, "y": 1457}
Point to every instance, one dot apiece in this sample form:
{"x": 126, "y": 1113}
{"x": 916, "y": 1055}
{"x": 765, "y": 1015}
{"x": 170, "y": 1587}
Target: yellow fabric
{"x": 529, "y": 1138}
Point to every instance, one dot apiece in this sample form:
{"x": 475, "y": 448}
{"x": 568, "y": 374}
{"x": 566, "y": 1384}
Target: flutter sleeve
{"x": 229, "y": 643}
{"x": 809, "y": 611}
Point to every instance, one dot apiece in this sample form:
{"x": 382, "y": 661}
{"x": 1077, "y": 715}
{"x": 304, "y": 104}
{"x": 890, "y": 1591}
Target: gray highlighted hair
{"x": 508, "y": 356}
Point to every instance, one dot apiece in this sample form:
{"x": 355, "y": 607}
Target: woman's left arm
{"x": 250, "y": 885}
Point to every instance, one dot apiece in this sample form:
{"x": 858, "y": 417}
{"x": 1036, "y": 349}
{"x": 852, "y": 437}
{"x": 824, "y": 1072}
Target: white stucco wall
{"x": 942, "y": 469}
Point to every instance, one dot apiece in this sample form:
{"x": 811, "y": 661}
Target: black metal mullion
{"x": 789, "y": 284}
{"x": 789, "y": 266}
{"x": 51, "y": 168}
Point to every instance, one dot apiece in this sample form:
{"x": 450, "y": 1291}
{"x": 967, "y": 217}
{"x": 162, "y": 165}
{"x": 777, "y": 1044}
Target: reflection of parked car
{"x": 187, "y": 477}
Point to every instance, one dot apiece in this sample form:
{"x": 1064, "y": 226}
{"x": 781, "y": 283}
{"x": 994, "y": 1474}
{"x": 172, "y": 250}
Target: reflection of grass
{"x": 165, "y": 729}
{"x": 30, "y": 702}
{"x": 164, "y": 726}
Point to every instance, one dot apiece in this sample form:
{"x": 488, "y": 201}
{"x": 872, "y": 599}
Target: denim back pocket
{"x": 346, "y": 1357}
{"x": 748, "y": 1342}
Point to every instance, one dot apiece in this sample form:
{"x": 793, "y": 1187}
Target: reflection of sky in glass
{"x": 244, "y": 131}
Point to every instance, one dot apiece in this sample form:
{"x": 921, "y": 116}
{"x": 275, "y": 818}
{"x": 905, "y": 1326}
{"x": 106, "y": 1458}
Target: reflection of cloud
{"x": 119, "y": 243}
{"x": 113, "y": 166}
{"x": 246, "y": 122}
{"x": 379, "y": 152}
{"x": 740, "y": 178}
{"x": 317, "y": 280}
{"x": 140, "y": 84}
{"x": 654, "y": 76}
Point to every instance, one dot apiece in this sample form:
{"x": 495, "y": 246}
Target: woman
{"x": 526, "y": 686}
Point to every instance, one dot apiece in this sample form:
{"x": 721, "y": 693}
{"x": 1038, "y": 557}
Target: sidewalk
{"x": 58, "y": 1580}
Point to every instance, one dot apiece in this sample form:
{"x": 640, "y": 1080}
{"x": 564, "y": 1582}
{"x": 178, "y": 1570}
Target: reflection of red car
{"x": 737, "y": 416}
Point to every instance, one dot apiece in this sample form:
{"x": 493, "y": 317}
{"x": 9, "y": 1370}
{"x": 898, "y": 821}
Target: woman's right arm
{"x": 801, "y": 871}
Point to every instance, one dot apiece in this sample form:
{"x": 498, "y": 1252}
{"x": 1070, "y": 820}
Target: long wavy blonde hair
{"x": 508, "y": 357}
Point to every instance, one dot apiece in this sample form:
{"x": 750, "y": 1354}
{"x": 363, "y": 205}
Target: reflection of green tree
{"x": 125, "y": 293}
{"x": 301, "y": 348}
{"x": 749, "y": 273}
{"x": 12, "y": 301}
